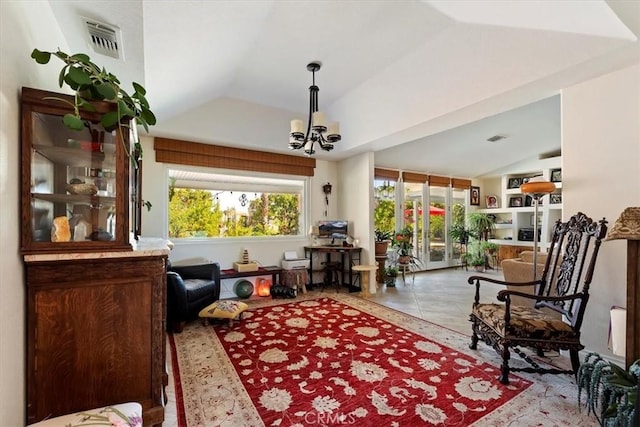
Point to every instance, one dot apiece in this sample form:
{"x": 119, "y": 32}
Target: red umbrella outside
{"x": 433, "y": 210}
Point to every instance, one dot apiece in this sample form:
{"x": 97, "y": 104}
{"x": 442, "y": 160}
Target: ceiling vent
{"x": 104, "y": 39}
{"x": 495, "y": 138}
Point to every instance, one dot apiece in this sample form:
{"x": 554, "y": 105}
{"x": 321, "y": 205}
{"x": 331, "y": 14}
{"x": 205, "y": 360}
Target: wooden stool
{"x": 365, "y": 285}
{"x": 332, "y": 272}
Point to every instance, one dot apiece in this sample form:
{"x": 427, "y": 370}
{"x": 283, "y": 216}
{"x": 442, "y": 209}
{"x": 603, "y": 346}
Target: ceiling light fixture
{"x": 317, "y": 131}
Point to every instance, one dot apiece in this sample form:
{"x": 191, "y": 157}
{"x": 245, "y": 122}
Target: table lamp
{"x": 537, "y": 187}
{"x": 628, "y": 227}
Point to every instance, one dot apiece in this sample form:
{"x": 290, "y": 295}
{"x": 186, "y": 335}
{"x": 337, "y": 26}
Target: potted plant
{"x": 382, "y": 239}
{"x": 459, "y": 233}
{"x": 612, "y": 388}
{"x": 481, "y": 225}
{"x": 490, "y": 247}
{"x": 475, "y": 255}
{"x": 390, "y": 275}
{"x": 403, "y": 245}
{"x": 93, "y": 83}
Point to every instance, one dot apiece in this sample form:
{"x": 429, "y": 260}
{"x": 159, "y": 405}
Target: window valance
{"x": 387, "y": 174}
{"x": 216, "y": 156}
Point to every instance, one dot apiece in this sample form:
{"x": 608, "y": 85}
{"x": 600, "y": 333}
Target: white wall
{"x": 356, "y": 201}
{"x": 601, "y": 176}
{"x": 18, "y": 24}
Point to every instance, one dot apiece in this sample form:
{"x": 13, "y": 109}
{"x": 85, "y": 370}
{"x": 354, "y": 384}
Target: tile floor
{"x": 441, "y": 296}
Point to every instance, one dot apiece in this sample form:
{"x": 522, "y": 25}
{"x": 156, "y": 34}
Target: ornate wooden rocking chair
{"x": 570, "y": 263}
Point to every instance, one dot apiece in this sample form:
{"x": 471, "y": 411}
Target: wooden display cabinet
{"x": 77, "y": 177}
{"x": 95, "y": 306}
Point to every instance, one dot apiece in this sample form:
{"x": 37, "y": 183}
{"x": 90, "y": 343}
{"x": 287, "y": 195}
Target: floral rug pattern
{"x": 340, "y": 360}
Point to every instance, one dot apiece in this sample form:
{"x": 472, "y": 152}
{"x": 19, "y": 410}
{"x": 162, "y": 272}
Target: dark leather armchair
{"x": 190, "y": 289}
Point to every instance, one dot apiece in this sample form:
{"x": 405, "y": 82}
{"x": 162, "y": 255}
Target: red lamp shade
{"x": 264, "y": 287}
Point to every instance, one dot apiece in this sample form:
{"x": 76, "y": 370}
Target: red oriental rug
{"x": 332, "y": 361}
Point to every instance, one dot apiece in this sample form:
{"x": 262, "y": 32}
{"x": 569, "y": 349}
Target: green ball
{"x": 243, "y": 288}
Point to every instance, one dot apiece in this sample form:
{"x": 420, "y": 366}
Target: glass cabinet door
{"x": 74, "y": 186}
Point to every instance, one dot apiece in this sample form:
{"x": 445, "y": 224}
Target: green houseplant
{"x": 475, "y": 255}
{"x": 402, "y": 242}
{"x": 390, "y": 275}
{"x": 403, "y": 245}
{"x": 489, "y": 247}
{"x": 611, "y": 388}
{"x": 382, "y": 239}
{"x": 481, "y": 225}
{"x": 92, "y": 83}
{"x": 459, "y": 233}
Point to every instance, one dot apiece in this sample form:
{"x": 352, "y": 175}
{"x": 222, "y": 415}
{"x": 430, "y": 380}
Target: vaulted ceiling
{"x": 421, "y": 83}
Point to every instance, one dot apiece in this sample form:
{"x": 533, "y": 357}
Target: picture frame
{"x": 528, "y": 201}
{"x": 474, "y": 196}
{"x": 555, "y": 199}
{"x": 532, "y": 219}
{"x": 515, "y": 202}
{"x": 514, "y": 183}
{"x": 556, "y": 175}
{"x": 491, "y": 201}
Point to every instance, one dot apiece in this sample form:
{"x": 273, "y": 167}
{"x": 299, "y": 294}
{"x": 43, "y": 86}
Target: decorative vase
{"x": 243, "y": 288}
{"x": 404, "y": 259}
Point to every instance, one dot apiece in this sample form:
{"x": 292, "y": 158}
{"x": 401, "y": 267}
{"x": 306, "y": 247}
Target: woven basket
{"x": 86, "y": 189}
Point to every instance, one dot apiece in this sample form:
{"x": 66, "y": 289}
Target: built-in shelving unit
{"x": 514, "y": 210}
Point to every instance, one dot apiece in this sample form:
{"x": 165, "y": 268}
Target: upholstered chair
{"x": 189, "y": 290}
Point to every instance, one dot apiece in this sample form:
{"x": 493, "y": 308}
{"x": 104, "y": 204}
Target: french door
{"x": 432, "y": 244}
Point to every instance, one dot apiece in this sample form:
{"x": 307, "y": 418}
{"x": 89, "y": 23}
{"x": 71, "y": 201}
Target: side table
{"x": 367, "y": 288}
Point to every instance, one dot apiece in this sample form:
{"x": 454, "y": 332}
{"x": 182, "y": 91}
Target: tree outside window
{"x": 203, "y": 205}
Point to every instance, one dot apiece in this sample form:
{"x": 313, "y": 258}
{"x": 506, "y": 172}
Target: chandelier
{"x": 317, "y": 130}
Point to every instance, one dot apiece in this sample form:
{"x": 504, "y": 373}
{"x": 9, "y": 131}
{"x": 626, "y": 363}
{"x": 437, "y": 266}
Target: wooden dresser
{"x": 95, "y": 332}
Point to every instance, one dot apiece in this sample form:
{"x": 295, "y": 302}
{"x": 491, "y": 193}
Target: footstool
{"x": 225, "y": 309}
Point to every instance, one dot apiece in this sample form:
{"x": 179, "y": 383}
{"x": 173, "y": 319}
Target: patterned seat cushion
{"x": 526, "y": 323}
{"x": 224, "y": 309}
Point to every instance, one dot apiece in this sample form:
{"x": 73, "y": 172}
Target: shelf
{"x": 503, "y": 226}
{"x": 75, "y": 157}
{"x": 495, "y": 210}
{"x": 512, "y": 242}
{"x": 75, "y": 198}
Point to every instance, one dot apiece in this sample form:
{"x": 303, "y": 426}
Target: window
{"x": 215, "y": 205}
{"x": 384, "y": 211}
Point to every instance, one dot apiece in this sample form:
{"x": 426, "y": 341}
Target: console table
{"x": 352, "y": 255}
{"x": 272, "y": 270}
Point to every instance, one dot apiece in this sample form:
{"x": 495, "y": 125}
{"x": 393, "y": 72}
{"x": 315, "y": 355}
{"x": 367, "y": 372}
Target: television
{"x": 333, "y": 229}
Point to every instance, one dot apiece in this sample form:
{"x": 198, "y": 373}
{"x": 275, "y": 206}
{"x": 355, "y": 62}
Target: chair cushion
{"x": 198, "y": 288}
{"x": 109, "y": 416}
{"x": 525, "y": 323}
{"x": 225, "y": 309}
